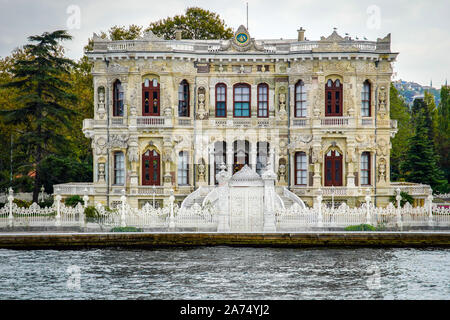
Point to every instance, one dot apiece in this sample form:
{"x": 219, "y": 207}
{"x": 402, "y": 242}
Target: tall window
{"x": 119, "y": 168}
{"x": 365, "y": 99}
{"x": 150, "y": 98}
{"x": 300, "y": 100}
{"x": 117, "y": 99}
{"x": 300, "y": 168}
{"x": 183, "y": 99}
{"x": 263, "y": 100}
{"x": 365, "y": 168}
{"x": 333, "y": 98}
{"x": 221, "y": 100}
{"x": 242, "y": 100}
{"x": 183, "y": 168}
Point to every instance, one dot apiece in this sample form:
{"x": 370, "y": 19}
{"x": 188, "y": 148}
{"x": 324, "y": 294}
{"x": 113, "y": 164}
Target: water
{"x": 226, "y": 273}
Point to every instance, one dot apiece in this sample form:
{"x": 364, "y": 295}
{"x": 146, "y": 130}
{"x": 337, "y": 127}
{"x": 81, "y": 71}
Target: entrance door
{"x": 150, "y": 98}
{"x": 150, "y": 168}
{"x": 333, "y": 169}
{"x": 246, "y": 209}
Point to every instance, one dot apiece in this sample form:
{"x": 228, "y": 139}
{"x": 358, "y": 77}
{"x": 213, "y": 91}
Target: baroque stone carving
{"x": 101, "y": 110}
{"x": 382, "y": 103}
{"x": 118, "y": 141}
{"x": 133, "y": 150}
{"x": 100, "y": 146}
{"x": 300, "y": 142}
{"x": 382, "y": 149}
{"x": 282, "y": 173}
{"x": 101, "y": 172}
{"x": 382, "y": 169}
{"x": 201, "y": 170}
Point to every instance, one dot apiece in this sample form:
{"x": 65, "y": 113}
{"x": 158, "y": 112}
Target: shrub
{"x": 91, "y": 212}
{"x": 405, "y": 198}
{"x": 126, "y": 229}
{"x": 361, "y": 227}
{"x": 46, "y": 203}
{"x": 22, "y": 203}
{"x": 73, "y": 201}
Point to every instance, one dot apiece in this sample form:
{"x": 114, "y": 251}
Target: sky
{"x": 419, "y": 28}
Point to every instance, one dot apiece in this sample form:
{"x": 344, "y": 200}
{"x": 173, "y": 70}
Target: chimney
{"x": 301, "y": 34}
{"x": 178, "y": 34}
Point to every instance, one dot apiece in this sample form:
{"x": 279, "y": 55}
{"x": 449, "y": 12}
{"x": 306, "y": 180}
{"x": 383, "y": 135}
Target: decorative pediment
{"x": 241, "y": 42}
{"x": 334, "y": 37}
{"x": 246, "y": 176}
{"x": 149, "y": 35}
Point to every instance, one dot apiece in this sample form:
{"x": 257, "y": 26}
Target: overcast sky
{"x": 419, "y": 28}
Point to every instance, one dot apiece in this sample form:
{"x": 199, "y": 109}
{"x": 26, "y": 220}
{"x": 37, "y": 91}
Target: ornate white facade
{"x": 168, "y": 113}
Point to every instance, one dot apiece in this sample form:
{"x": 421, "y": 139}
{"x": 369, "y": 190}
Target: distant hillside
{"x": 410, "y": 90}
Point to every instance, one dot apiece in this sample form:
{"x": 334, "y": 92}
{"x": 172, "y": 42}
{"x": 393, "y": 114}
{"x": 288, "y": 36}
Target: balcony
{"x": 334, "y": 121}
{"x": 367, "y": 122}
{"x": 152, "y": 122}
{"x": 300, "y": 123}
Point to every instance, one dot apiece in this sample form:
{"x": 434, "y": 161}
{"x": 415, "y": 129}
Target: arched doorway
{"x": 240, "y": 155}
{"x": 333, "y": 169}
{"x": 151, "y": 165}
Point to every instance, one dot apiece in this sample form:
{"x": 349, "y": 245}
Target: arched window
{"x": 365, "y": 169}
{"x": 301, "y": 168}
{"x": 119, "y": 168}
{"x": 151, "y": 164}
{"x": 183, "y": 99}
{"x": 183, "y": 168}
{"x": 365, "y": 99}
{"x": 221, "y": 100}
{"x": 300, "y": 100}
{"x": 117, "y": 99}
{"x": 263, "y": 100}
{"x": 150, "y": 98}
{"x": 241, "y": 97}
{"x": 333, "y": 98}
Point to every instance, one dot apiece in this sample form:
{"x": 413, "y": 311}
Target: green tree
{"x": 443, "y": 132}
{"x": 196, "y": 23}
{"x": 421, "y": 161}
{"x": 399, "y": 111}
{"x": 43, "y": 95}
{"x": 117, "y": 33}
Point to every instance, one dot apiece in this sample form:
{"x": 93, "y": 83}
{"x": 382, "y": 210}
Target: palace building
{"x": 169, "y": 114}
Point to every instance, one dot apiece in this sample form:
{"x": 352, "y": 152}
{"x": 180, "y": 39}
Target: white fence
{"x": 205, "y": 218}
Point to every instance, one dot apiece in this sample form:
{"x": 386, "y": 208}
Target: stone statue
{"x": 282, "y": 173}
{"x": 201, "y": 171}
{"x": 101, "y": 172}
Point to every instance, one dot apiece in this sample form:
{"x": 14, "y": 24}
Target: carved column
{"x": 223, "y": 202}
{"x": 351, "y": 158}
{"x": 269, "y": 178}
{"x": 230, "y": 156}
{"x": 253, "y": 155}
{"x": 211, "y": 165}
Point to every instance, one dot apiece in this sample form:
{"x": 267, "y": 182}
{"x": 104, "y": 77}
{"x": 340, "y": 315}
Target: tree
{"x": 421, "y": 162}
{"x": 443, "y": 132}
{"x": 399, "y": 111}
{"x": 196, "y": 23}
{"x": 41, "y": 104}
{"x": 117, "y": 33}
